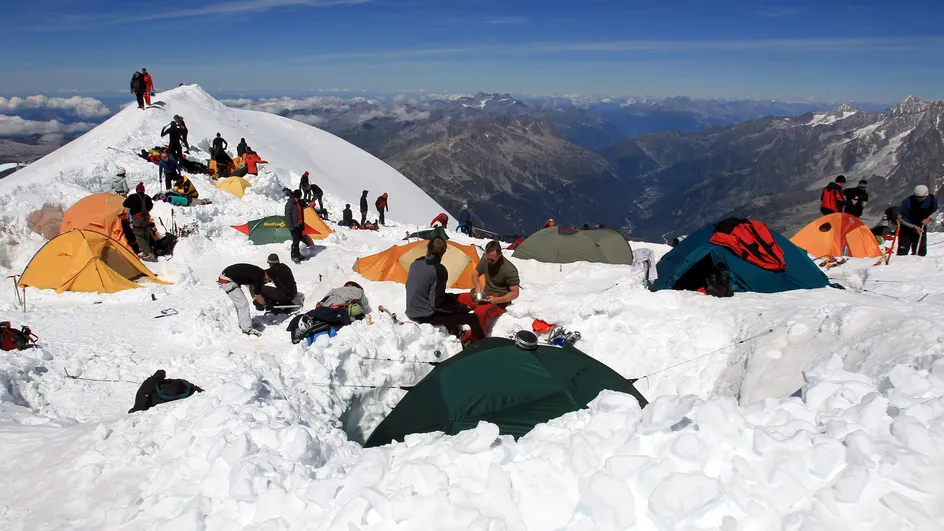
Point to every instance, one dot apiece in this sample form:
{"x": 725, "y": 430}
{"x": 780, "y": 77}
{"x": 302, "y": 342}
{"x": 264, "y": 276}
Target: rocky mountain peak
{"x": 912, "y": 105}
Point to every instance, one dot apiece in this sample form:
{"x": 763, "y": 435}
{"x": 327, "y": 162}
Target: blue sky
{"x": 864, "y": 50}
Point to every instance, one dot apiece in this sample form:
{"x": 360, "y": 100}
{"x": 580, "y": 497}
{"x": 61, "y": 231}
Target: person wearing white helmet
{"x": 465, "y": 220}
{"x": 914, "y": 217}
{"x": 118, "y": 183}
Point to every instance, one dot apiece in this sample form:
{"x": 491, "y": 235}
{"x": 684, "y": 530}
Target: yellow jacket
{"x": 186, "y": 188}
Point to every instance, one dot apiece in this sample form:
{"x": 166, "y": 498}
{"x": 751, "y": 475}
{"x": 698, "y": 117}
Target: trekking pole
{"x": 19, "y": 302}
{"x": 924, "y": 297}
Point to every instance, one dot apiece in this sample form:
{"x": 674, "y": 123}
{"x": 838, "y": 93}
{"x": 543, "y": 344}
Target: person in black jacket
{"x": 242, "y": 147}
{"x": 347, "y": 218}
{"x": 364, "y": 207}
{"x": 183, "y": 132}
{"x": 856, "y": 199}
{"x": 173, "y": 144}
{"x": 285, "y": 289}
{"x": 317, "y": 195}
{"x": 426, "y": 297}
{"x": 305, "y": 186}
{"x": 914, "y": 218}
{"x": 158, "y": 389}
{"x": 231, "y": 281}
{"x": 294, "y": 218}
{"x": 138, "y": 88}
{"x": 140, "y": 206}
{"x": 219, "y": 144}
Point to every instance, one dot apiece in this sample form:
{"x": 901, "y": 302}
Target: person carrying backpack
{"x": 305, "y": 187}
{"x": 285, "y": 289}
{"x": 137, "y": 88}
{"x": 140, "y": 206}
{"x": 381, "y": 204}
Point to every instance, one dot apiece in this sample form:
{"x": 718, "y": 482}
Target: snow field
{"x": 273, "y": 442}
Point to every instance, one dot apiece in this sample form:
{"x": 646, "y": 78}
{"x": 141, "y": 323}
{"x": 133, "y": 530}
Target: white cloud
{"x": 506, "y": 20}
{"x": 16, "y": 126}
{"x": 325, "y": 109}
{"x": 82, "y": 107}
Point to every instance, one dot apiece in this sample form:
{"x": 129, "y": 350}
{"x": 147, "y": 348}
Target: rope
{"x": 95, "y": 379}
{"x": 736, "y": 343}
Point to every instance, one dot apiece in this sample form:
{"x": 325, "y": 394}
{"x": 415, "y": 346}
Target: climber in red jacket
{"x": 442, "y": 219}
{"x": 832, "y": 200}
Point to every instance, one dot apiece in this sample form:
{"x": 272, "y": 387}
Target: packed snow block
{"x": 909, "y": 510}
{"x": 609, "y": 501}
{"x": 680, "y": 497}
{"x": 46, "y": 220}
{"x": 850, "y": 483}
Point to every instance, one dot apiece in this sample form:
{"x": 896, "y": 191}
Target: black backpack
{"x": 13, "y": 339}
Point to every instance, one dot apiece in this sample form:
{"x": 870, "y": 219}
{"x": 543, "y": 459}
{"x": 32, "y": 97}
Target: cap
{"x": 139, "y": 188}
{"x": 921, "y": 190}
{"x": 273, "y": 259}
{"x": 121, "y": 171}
{"x": 841, "y": 179}
{"x": 306, "y": 173}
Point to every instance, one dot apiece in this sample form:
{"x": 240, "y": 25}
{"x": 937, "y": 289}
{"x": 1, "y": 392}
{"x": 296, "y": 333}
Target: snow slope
{"x": 291, "y": 148}
{"x": 273, "y": 442}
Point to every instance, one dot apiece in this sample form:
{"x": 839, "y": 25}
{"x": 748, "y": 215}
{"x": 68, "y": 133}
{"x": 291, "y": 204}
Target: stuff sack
{"x": 13, "y": 339}
{"x": 165, "y": 245}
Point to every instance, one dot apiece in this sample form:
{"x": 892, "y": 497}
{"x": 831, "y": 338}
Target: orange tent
{"x": 84, "y": 260}
{"x": 837, "y": 235}
{"x": 313, "y": 220}
{"x": 98, "y": 212}
{"x": 393, "y": 264}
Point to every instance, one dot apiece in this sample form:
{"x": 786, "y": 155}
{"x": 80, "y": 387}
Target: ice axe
{"x": 391, "y": 314}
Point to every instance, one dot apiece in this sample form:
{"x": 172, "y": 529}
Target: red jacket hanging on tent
{"x": 750, "y": 240}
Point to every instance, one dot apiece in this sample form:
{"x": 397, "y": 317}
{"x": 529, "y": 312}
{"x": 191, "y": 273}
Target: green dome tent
{"x": 272, "y": 229}
{"x": 562, "y": 245}
{"x": 429, "y": 234}
{"x": 495, "y": 381}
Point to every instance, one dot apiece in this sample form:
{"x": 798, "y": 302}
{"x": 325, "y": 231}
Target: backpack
{"x": 750, "y": 240}
{"x": 13, "y": 339}
{"x": 345, "y": 298}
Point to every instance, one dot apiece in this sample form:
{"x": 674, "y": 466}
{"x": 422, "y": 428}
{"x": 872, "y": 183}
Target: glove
{"x": 260, "y": 307}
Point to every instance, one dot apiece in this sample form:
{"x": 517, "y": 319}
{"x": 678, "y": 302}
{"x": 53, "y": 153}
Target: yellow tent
{"x": 393, "y": 264}
{"x": 84, "y": 260}
{"x": 313, "y": 220}
{"x": 234, "y": 185}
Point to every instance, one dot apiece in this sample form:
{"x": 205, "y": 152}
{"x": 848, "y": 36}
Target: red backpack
{"x": 13, "y": 339}
{"x": 751, "y": 240}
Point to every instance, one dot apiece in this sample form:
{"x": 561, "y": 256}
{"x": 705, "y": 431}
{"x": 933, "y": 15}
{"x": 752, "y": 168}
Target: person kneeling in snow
{"x": 158, "y": 389}
{"x": 426, "y": 297}
{"x": 285, "y": 289}
{"x": 347, "y": 218}
{"x": 442, "y": 219}
{"x": 232, "y": 279}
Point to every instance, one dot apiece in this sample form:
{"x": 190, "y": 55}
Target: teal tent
{"x": 429, "y": 234}
{"x": 688, "y": 264}
{"x": 495, "y": 381}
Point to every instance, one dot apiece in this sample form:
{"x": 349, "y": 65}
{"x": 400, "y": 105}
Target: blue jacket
{"x": 464, "y": 217}
{"x": 914, "y": 212}
{"x": 168, "y": 167}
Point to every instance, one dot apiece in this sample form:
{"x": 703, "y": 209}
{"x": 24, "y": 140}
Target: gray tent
{"x": 429, "y": 234}
{"x": 562, "y": 245}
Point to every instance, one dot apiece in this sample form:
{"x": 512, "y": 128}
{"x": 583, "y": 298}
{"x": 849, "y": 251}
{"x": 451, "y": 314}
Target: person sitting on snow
{"x": 502, "y": 284}
{"x": 285, "y": 289}
{"x": 119, "y": 183}
{"x": 426, "y": 297}
{"x": 347, "y": 218}
{"x": 159, "y": 389}
{"x": 184, "y": 187}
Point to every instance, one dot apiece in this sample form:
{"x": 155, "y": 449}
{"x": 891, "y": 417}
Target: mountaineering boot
{"x": 252, "y": 332}
{"x": 149, "y": 258}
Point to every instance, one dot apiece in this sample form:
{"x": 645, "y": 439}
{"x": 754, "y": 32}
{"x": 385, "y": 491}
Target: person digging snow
{"x": 381, "y": 204}
{"x": 914, "y": 216}
{"x": 231, "y": 281}
{"x": 442, "y": 219}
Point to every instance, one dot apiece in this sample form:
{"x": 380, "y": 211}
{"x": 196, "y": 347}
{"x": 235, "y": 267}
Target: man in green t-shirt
{"x": 502, "y": 284}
